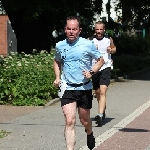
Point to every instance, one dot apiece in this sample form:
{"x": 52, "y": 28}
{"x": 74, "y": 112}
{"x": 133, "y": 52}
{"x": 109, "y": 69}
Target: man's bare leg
{"x": 69, "y": 111}
{"x": 97, "y": 92}
{"x": 101, "y": 98}
{"x": 84, "y": 116}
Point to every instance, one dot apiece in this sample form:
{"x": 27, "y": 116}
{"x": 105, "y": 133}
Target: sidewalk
{"x": 135, "y": 135}
{"x": 125, "y": 128}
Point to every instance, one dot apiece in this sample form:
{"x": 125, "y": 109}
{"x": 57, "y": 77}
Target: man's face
{"x": 99, "y": 30}
{"x": 72, "y": 30}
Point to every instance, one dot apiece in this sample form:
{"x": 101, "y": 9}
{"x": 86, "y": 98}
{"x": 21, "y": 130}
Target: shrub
{"x": 134, "y": 46}
{"x": 27, "y": 79}
{"x": 126, "y": 64}
{"x": 132, "y": 54}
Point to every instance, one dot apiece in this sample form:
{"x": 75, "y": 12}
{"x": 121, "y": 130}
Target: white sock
{"x": 101, "y": 115}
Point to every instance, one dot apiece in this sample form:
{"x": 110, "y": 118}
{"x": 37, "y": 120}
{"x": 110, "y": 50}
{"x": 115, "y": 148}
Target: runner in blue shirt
{"x": 73, "y": 64}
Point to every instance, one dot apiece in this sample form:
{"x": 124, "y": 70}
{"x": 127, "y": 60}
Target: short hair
{"x": 74, "y": 18}
{"x": 100, "y": 22}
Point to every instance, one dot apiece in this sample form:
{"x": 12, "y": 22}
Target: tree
{"x": 108, "y": 6}
{"x": 134, "y": 11}
{"x": 2, "y": 11}
{"x": 33, "y": 21}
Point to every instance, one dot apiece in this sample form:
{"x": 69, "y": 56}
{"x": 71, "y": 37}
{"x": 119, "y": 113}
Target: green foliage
{"x": 27, "y": 79}
{"x": 56, "y": 10}
{"x": 134, "y": 45}
{"x": 3, "y": 133}
{"x": 126, "y": 64}
{"x": 110, "y": 32}
{"x": 133, "y": 54}
{"x": 33, "y": 21}
{"x": 135, "y": 10}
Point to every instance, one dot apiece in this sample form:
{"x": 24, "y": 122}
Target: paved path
{"x": 125, "y": 128}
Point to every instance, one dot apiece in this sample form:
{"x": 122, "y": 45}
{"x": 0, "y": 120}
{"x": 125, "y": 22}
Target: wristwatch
{"x": 92, "y": 72}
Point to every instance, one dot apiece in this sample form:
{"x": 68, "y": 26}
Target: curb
{"x": 52, "y": 102}
{"x": 119, "y": 79}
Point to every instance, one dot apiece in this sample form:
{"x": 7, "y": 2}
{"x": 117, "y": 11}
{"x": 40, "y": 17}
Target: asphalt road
{"x": 43, "y": 128}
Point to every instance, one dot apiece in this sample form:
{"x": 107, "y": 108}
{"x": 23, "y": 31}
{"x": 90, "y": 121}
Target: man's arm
{"x": 112, "y": 46}
{"x": 57, "y": 71}
{"x": 95, "y": 68}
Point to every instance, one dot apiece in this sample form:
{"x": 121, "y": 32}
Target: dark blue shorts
{"x": 82, "y": 97}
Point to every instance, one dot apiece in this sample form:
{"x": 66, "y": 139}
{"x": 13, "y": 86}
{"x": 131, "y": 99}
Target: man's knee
{"x": 84, "y": 121}
{"x": 103, "y": 89}
{"x": 102, "y": 93}
{"x": 84, "y": 116}
{"x": 70, "y": 121}
{"x": 97, "y": 91}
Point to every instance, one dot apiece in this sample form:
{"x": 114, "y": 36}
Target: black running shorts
{"x": 82, "y": 97}
{"x": 101, "y": 78}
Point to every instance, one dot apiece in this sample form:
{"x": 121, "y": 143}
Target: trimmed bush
{"x": 27, "y": 79}
{"x": 127, "y": 64}
{"x": 135, "y": 46}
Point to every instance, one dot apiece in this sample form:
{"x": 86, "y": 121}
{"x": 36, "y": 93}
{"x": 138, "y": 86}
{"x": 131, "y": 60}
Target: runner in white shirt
{"x": 101, "y": 79}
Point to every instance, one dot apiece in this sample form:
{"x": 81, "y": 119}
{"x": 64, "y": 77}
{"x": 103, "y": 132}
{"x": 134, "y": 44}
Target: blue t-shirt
{"x": 75, "y": 58}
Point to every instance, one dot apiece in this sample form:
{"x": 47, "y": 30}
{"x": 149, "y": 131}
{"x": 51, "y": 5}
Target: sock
{"x": 101, "y": 115}
{"x": 90, "y": 136}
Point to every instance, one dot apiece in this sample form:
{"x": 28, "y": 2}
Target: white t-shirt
{"x": 102, "y": 47}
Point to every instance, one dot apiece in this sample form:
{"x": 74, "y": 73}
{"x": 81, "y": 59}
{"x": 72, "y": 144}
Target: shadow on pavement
{"x": 107, "y": 120}
{"x": 133, "y": 130}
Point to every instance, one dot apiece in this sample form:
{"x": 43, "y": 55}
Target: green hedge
{"x": 133, "y": 54}
{"x": 27, "y": 79}
{"x": 127, "y": 64}
{"x": 134, "y": 45}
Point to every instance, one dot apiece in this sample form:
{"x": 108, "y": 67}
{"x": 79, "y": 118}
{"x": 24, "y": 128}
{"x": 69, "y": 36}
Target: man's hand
{"x": 87, "y": 74}
{"x": 56, "y": 82}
